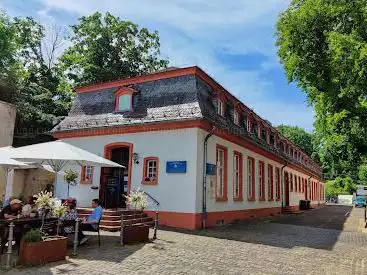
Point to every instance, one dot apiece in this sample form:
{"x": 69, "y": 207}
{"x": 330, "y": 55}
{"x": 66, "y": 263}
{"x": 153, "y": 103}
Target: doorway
{"x": 115, "y": 182}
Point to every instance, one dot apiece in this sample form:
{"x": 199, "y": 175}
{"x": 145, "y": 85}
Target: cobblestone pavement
{"x": 322, "y": 241}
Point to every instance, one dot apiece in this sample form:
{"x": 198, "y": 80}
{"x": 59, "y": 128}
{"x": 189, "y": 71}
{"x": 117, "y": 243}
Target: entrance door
{"x": 116, "y": 180}
{"x": 286, "y": 188}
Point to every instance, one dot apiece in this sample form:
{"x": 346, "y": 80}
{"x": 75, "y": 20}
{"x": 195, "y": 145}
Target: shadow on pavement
{"x": 317, "y": 228}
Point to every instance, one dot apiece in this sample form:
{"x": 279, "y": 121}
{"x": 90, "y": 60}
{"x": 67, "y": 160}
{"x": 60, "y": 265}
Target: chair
{"x": 96, "y": 230}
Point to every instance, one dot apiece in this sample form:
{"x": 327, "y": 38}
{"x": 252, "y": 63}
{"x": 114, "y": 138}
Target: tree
{"x": 300, "y": 137}
{"x": 339, "y": 186}
{"x": 323, "y": 47}
{"x": 40, "y": 92}
{"x": 106, "y": 48}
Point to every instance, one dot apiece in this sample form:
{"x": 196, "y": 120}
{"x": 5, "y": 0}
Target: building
{"x": 179, "y": 132}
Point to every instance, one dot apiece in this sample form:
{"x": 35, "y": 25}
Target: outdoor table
{"x": 11, "y": 223}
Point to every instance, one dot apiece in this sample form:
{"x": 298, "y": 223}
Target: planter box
{"x": 43, "y": 252}
{"x": 135, "y": 233}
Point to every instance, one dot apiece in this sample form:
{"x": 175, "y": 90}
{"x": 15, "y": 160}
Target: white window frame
{"x": 236, "y": 117}
{"x": 250, "y": 175}
{"x": 220, "y": 173}
{"x": 151, "y": 171}
{"x": 236, "y": 175}
{"x": 220, "y": 107}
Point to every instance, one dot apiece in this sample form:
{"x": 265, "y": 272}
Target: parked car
{"x": 360, "y": 201}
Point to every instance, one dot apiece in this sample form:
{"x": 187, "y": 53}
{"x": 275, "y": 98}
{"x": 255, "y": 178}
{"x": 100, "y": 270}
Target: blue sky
{"x": 233, "y": 41}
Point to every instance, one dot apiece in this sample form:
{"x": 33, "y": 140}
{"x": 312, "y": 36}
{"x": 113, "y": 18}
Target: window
{"x": 237, "y": 176}
{"x": 277, "y": 183}
{"x": 248, "y": 124}
{"x": 270, "y": 183}
{"x": 124, "y": 98}
{"x": 221, "y": 107}
{"x": 86, "y": 176}
{"x": 251, "y": 178}
{"x": 299, "y": 184}
{"x": 291, "y": 181}
{"x": 221, "y": 187}
{"x": 150, "y": 170}
{"x": 261, "y": 181}
{"x": 236, "y": 117}
{"x": 295, "y": 184}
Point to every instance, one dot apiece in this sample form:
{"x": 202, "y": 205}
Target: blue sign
{"x": 176, "y": 166}
{"x": 211, "y": 169}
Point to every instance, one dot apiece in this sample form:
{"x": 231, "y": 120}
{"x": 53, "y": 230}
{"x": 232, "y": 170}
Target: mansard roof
{"x": 171, "y": 95}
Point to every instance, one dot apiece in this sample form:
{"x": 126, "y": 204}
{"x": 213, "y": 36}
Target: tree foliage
{"x": 339, "y": 186}
{"x": 107, "y": 48}
{"x": 323, "y": 47}
{"x": 300, "y": 137}
{"x": 39, "y": 82}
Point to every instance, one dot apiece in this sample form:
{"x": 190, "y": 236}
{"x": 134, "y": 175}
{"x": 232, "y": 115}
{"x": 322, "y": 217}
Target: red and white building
{"x": 188, "y": 142}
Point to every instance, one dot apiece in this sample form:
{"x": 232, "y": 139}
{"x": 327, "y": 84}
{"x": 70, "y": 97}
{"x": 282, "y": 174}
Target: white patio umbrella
{"x": 58, "y": 154}
{"x": 8, "y": 164}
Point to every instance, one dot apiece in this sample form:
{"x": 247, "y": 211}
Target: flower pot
{"x": 135, "y": 233}
{"x": 51, "y": 250}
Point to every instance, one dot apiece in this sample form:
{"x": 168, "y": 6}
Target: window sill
{"x": 251, "y": 199}
{"x": 149, "y": 182}
{"x": 221, "y": 199}
{"x": 238, "y": 199}
{"x": 262, "y": 199}
{"x": 86, "y": 182}
{"x": 278, "y": 199}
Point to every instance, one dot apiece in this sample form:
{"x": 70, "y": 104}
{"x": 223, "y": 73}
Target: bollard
{"x": 10, "y": 245}
{"x": 76, "y": 241}
{"x": 122, "y": 230}
{"x": 155, "y": 225}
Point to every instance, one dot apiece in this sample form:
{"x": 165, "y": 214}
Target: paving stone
{"x": 310, "y": 243}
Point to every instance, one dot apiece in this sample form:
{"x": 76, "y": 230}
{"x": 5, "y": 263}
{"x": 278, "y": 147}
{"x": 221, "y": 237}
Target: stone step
{"x": 126, "y": 222}
{"x": 116, "y": 228}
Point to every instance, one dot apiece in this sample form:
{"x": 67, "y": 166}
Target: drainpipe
{"x": 204, "y": 213}
{"x": 282, "y": 181}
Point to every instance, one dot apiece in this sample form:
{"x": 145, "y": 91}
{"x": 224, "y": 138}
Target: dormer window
{"x": 221, "y": 107}
{"x": 124, "y": 99}
{"x": 236, "y": 118}
{"x": 124, "y": 103}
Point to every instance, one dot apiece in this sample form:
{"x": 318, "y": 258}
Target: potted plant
{"x": 136, "y": 232}
{"x": 36, "y": 246}
{"x": 35, "y": 249}
{"x": 71, "y": 178}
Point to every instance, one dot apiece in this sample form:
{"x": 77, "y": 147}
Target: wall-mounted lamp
{"x": 136, "y": 158}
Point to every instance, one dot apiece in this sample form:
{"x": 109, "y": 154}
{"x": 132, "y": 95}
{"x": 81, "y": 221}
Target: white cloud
{"x": 193, "y": 31}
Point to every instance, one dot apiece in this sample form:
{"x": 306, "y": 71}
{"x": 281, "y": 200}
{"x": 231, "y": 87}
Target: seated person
{"x": 12, "y": 210}
{"x": 71, "y": 215}
{"x": 7, "y": 201}
{"x": 90, "y": 224}
{"x": 29, "y": 207}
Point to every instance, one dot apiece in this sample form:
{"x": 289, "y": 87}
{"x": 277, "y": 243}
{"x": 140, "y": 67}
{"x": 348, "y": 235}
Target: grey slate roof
{"x": 171, "y": 99}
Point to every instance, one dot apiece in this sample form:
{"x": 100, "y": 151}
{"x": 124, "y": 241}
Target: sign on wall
{"x": 211, "y": 169}
{"x": 176, "y": 166}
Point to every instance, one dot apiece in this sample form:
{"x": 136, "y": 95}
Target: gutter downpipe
{"x": 282, "y": 179}
{"x": 204, "y": 214}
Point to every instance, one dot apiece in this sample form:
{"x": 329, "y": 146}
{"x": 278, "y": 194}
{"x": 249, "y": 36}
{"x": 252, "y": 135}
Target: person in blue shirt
{"x": 91, "y": 223}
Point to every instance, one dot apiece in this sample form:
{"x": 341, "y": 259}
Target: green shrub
{"x": 33, "y": 236}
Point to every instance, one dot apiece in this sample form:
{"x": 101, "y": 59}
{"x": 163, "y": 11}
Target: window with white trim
{"x": 221, "y": 107}
{"x": 220, "y": 173}
{"x": 236, "y": 117}
{"x": 261, "y": 180}
{"x": 236, "y": 175}
{"x": 250, "y": 177}
{"x": 87, "y": 174}
{"x": 150, "y": 171}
